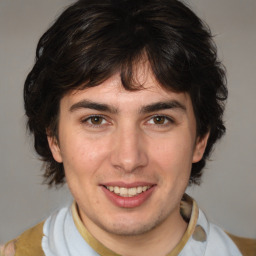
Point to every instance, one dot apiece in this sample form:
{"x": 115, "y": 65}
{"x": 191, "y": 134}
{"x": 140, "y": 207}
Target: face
{"x": 127, "y": 155}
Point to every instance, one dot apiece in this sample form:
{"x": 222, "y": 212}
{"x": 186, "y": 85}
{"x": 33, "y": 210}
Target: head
{"x": 94, "y": 40}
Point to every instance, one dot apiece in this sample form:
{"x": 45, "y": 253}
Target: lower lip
{"x": 128, "y": 202}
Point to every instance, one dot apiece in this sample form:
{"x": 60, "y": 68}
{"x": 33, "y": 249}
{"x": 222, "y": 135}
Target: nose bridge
{"x": 129, "y": 151}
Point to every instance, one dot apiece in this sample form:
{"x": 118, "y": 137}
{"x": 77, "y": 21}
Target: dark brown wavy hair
{"x": 94, "y": 39}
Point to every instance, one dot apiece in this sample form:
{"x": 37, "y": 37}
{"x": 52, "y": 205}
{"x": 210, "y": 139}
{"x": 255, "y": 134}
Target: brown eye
{"x": 96, "y": 120}
{"x": 159, "y": 119}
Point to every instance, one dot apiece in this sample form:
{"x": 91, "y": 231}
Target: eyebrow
{"x": 93, "y": 105}
{"x": 162, "y": 105}
{"x": 171, "y": 104}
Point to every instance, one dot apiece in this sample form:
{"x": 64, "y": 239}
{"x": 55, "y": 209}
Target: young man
{"x": 125, "y": 102}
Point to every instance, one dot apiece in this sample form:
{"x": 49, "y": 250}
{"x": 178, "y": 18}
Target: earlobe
{"x": 55, "y": 149}
{"x": 200, "y": 146}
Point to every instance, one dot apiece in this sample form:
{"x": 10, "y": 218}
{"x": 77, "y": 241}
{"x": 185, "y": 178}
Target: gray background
{"x": 228, "y": 192}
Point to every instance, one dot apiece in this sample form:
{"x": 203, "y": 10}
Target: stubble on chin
{"x": 127, "y": 228}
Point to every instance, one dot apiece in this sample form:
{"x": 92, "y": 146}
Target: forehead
{"x": 112, "y": 92}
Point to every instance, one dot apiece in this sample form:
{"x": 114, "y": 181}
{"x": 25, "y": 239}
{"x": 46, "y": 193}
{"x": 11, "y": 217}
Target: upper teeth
{"x": 127, "y": 192}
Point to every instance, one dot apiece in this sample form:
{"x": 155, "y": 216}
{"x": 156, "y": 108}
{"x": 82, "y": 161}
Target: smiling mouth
{"x": 127, "y": 192}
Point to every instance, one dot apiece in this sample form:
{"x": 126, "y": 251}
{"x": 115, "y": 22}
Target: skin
{"x": 128, "y": 143}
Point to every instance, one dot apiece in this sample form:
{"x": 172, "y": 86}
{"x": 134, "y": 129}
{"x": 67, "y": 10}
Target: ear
{"x": 200, "y": 146}
{"x": 55, "y": 149}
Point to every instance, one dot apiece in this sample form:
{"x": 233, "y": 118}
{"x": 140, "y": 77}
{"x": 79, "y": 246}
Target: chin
{"x": 129, "y": 227}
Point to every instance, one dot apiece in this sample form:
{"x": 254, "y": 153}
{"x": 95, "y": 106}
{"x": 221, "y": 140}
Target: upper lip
{"x": 127, "y": 185}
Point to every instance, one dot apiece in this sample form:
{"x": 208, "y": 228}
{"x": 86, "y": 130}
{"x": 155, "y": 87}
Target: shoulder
{"x": 28, "y": 243}
{"x": 227, "y": 244}
{"x": 247, "y": 246}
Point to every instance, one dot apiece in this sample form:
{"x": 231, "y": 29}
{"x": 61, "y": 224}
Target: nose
{"x": 129, "y": 150}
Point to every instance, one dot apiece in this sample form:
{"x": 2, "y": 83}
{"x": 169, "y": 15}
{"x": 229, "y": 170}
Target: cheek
{"x": 173, "y": 153}
{"x": 82, "y": 161}
{"x": 173, "y": 160}
{"x": 80, "y": 154}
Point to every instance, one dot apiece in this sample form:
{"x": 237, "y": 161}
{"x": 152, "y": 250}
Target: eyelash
{"x": 87, "y": 119}
{"x": 167, "y": 121}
